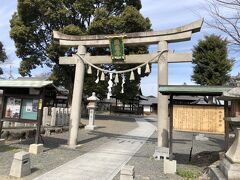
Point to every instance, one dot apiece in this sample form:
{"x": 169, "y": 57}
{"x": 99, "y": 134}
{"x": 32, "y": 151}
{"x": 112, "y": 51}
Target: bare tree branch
{"x": 226, "y": 18}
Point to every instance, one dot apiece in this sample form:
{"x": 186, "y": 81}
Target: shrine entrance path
{"x": 105, "y": 161}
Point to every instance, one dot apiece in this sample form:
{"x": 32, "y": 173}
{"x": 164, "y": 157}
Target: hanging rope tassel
{"x": 110, "y": 85}
{"x": 123, "y": 82}
{"x": 116, "y": 80}
{"x": 89, "y": 71}
{"x": 132, "y": 77}
{"x": 147, "y": 70}
{"x": 97, "y": 80}
{"x": 139, "y": 71}
{"x": 102, "y": 77}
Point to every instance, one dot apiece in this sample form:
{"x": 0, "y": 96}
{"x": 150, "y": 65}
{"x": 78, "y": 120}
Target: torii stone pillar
{"x": 77, "y": 99}
{"x": 163, "y": 100}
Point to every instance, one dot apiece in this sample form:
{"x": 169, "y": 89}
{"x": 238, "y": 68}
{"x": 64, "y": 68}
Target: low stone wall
{"x": 9, "y": 124}
{"x": 56, "y": 117}
{"x": 51, "y": 118}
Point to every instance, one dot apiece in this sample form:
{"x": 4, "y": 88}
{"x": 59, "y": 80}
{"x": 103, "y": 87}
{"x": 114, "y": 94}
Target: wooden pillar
{"x": 226, "y": 126}
{"x": 162, "y": 100}
{"x": 41, "y": 104}
{"x": 171, "y": 128}
{"x": 77, "y": 99}
{"x": 1, "y": 114}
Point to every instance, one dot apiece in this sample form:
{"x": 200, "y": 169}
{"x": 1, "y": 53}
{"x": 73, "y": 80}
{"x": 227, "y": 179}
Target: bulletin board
{"x": 198, "y": 118}
{"x": 29, "y": 109}
{"x": 21, "y": 109}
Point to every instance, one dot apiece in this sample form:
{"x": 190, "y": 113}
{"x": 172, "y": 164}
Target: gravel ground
{"x": 55, "y": 154}
{"x": 145, "y": 166}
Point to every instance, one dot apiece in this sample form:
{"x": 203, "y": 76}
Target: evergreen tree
{"x": 3, "y": 56}
{"x": 212, "y": 65}
{"x": 34, "y": 21}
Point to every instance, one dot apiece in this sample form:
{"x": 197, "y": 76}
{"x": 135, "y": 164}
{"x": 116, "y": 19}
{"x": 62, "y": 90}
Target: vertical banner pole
{"x": 40, "y": 115}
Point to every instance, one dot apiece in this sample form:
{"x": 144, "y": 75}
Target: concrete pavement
{"x": 104, "y": 162}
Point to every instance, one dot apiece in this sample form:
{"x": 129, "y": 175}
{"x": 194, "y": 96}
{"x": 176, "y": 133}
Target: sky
{"x": 163, "y": 14}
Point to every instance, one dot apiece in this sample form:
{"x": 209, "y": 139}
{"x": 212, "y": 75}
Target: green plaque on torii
{"x": 117, "y": 48}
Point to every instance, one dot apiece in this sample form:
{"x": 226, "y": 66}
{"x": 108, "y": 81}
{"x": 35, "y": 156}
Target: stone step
{"x": 215, "y": 173}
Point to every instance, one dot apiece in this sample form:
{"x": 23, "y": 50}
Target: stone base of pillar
{"x": 36, "y": 148}
{"x": 90, "y": 127}
{"x": 229, "y": 166}
{"x": 229, "y": 169}
{"x": 215, "y": 173}
{"x": 71, "y": 147}
{"x": 224, "y": 169}
{"x": 161, "y": 153}
{"x": 169, "y": 167}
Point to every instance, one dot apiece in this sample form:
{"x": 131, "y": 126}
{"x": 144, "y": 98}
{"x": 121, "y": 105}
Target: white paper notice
{"x": 29, "y": 107}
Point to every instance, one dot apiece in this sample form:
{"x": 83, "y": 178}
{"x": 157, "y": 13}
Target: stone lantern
{"x": 229, "y": 166}
{"x": 91, "y": 109}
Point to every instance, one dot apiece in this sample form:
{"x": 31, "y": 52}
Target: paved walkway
{"x": 104, "y": 162}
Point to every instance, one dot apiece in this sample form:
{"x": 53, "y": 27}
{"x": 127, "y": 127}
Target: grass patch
{"x": 188, "y": 174}
{"x": 5, "y": 148}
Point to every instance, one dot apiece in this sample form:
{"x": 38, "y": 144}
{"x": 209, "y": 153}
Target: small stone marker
{"x": 127, "y": 173}
{"x": 161, "y": 153}
{"x": 169, "y": 167}
{"x": 201, "y": 137}
{"x": 21, "y": 165}
{"x": 36, "y": 148}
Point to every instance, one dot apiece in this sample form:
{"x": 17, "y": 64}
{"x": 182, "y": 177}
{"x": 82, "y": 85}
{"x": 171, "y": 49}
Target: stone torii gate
{"x": 162, "y": 38}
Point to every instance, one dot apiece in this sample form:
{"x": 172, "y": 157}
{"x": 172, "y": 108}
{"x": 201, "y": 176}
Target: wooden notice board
{"x": 198, "y": 118}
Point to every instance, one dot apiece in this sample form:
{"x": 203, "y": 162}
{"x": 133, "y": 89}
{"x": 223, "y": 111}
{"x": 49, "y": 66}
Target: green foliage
{"x": 188, "y": 173}
{"x": 100, "y": 88}
{"x": 3, "y": 56}
{"x": 130, "y": 20}
{"x": 32, "y": 26}
{"x": 5, "y": 148}
{"x": 212, "y": 65}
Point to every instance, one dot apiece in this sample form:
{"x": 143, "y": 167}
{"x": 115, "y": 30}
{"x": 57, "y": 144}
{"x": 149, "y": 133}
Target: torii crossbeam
{"x": 162, "y": 38}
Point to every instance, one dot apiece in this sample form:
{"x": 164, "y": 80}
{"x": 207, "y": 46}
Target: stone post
{"x": 13, "y": 124}
{"x": 6, "y": 124}
{"x": 62, "y": 119}
{"x": 77, "y": 99}
{"x": 162, "y": 100}
{"x": 45, "y": 117}
{"x": 65, "y": 111}
{"x": 69, "y": 114}
{"x": 91, "y": 107}
{"x": 53, "y": 116}
{"x": 58, "y": 116}
{"x": 17, "y": 124}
